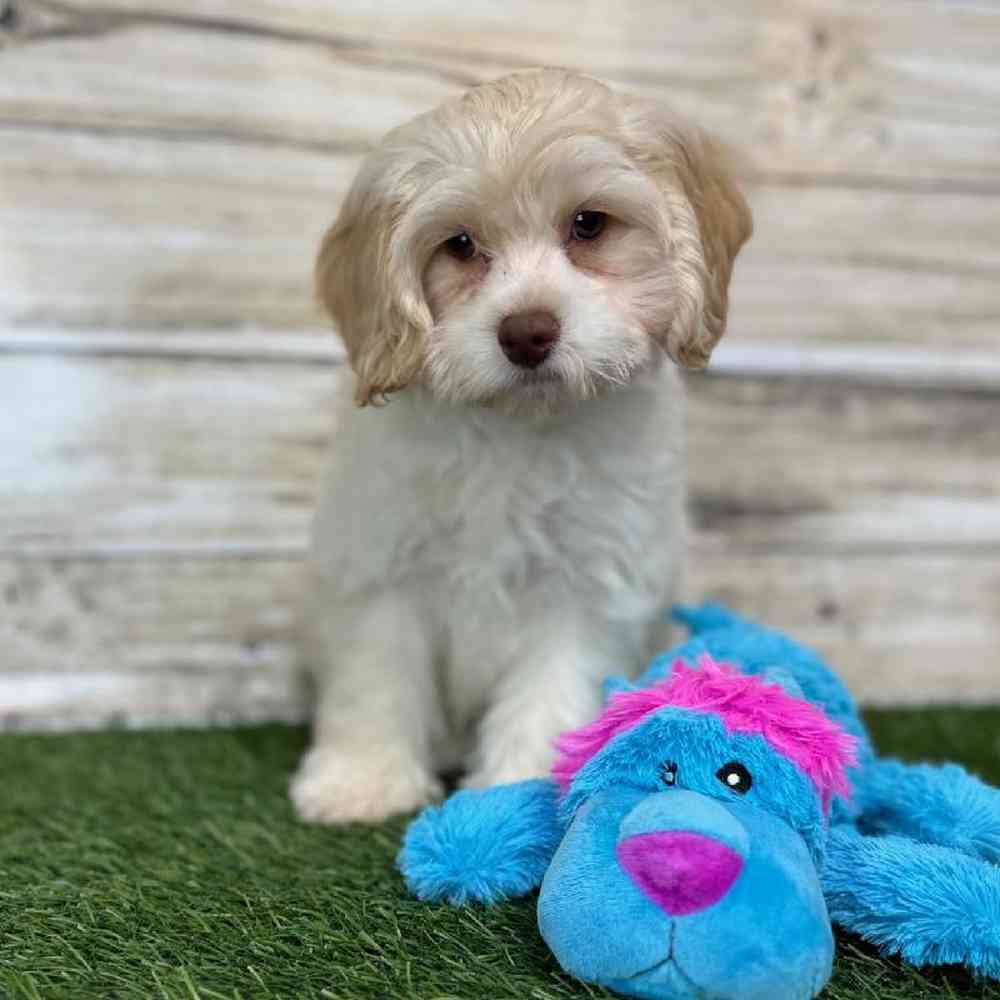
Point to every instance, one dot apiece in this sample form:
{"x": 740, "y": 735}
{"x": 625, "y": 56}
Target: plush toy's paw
{"x": 482, "y": 846}
{"x": 334, "y": 785}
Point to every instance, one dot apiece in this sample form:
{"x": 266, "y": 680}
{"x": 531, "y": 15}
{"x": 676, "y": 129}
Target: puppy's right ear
{"x": 369, "y": 287}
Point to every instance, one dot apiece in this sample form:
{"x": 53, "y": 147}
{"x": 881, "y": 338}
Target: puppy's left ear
{"x": 707, "y": 221}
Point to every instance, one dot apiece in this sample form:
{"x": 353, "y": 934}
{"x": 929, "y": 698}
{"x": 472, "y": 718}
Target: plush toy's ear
{"x": 616, "y": 685}
{"x": 700, "y": 618}
{"x": 781, "y": 677}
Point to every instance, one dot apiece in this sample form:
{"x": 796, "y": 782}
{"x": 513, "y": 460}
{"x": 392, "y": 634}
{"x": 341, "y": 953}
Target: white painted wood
{"x": 178, "y": 641}
{"x": 902, "y": 628}
{"x": 104, "y": 232}
{"x": 895, "y": 365}
{"x": 189, "y": 186}
{"x": 211, "y": 455}
{"x": 149, "y": 454}
{"x": 832, "y": 466}
{"x": 318, "y": 345}
{"x": 827, "y": 265}
{"x": 821, "y": 87}
{"x": 165, "y": 696}
{"x": 166, "y": 173}
{"x": 147, "y": 640}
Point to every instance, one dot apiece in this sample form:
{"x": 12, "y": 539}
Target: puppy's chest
{"x": 515, "y": 515}
{"x": 502, "y": 508}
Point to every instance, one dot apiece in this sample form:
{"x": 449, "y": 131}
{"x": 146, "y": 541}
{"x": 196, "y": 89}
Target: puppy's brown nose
{"x": 528, "y": 338}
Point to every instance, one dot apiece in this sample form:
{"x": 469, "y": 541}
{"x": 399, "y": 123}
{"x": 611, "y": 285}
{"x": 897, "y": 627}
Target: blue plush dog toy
{"x": 698, "y": 837}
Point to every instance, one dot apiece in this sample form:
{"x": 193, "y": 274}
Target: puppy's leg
{"x": 377, "y": 711}
{"x": 553, "y": 685}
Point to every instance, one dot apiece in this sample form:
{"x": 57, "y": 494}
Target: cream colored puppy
{"x": 512, "y": 274}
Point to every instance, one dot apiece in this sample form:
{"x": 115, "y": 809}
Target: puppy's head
{"x": 540, "y": 238}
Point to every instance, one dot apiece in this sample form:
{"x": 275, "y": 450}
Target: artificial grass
{"x": 169, "y": 865}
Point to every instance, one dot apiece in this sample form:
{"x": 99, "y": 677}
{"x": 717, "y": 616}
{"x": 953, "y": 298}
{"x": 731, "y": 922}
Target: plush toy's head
{"x": 696, "y": 812}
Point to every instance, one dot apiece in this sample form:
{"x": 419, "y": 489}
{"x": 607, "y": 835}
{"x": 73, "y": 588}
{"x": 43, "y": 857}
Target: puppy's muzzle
{"x": 527, "y": 338}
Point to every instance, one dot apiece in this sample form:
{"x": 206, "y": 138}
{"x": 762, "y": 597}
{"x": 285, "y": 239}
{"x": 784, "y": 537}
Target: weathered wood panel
{"x": 101, "y": 230}
{"x": 829, "y": 264}
{"x": 121, "y": 231}
{"x": 819, "y": 87}
{"x": 900, "y": 365}
{"x": 168, "y": 171}
{"x": 820, "y": 466}
{"x": 155, "y": 564}
{"x": 901, "y": 627}
{"x": 156, "y": 454}
{"x": 159, "y": 454}
{"x": 140, "y": 640}
{"x": 189, "y": 185}
{"x": 170, "y": 640}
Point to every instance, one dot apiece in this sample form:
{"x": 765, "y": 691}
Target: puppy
{"x": 512, "y": 275}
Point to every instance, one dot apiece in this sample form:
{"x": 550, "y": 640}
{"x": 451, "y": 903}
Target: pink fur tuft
{"x": 793, "y": 727}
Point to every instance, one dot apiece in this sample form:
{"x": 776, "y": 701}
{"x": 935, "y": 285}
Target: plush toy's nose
{"x": 681, "y": 872}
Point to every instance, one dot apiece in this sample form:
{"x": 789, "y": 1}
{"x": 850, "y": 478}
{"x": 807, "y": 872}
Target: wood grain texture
{"x": 122, "y": 231}
{"x": 176, "y": 166}
{"x": 137, "y": 640}
{"x": 216, "y": 455}
{"x": 151, "y": 574}
{"x": 897, "y": 365}
{"x": 159, "y": 455}
{"x": 820, "y": 87}
{"x": 835, "y": 467}
{"x": 110, "y": 231}
{"x": 900, "y": 627}
{"x": 166, "y": 172}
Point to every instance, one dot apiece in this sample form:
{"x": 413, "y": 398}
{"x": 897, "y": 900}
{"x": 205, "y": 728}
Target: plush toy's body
{"x": 691, "y": 833}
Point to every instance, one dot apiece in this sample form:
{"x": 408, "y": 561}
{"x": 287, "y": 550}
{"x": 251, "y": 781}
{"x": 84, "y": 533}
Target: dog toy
{"x": 697, "y": 838}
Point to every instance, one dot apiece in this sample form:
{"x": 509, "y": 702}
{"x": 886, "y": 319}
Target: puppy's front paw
{"x": 517, "y": 764}
{"x": 334, "y": 785}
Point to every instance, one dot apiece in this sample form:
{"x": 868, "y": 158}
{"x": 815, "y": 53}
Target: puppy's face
{"x": 539, "y": 239}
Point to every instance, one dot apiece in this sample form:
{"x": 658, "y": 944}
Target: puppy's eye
{"x": 668, "y": 773}
{"x": 588, "y": 225}
{"x": 735, "y": 777}
{"x": 461, "y": 247}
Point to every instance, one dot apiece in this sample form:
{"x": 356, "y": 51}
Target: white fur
{"x": 495, "y": 540}
{"x": 476, "y": 574}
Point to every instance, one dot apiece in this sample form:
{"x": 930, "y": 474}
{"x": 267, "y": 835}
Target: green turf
{"x": 169, "y": 865}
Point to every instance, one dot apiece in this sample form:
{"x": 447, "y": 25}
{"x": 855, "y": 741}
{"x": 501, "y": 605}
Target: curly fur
{"x": 495, "y": 539}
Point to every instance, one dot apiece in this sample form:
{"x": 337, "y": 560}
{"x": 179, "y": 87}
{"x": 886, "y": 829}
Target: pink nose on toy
{"x": 681, "y": 872}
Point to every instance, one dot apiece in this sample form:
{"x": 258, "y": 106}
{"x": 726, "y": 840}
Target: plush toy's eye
{"x": 588, "y": 225}
{"x": 461, "y": 247}
{"x": 735, "y": 776}
{"x": 668, "y": 773}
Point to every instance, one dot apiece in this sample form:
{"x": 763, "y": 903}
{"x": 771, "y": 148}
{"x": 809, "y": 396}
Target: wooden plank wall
{"x": 165, "y": 173}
